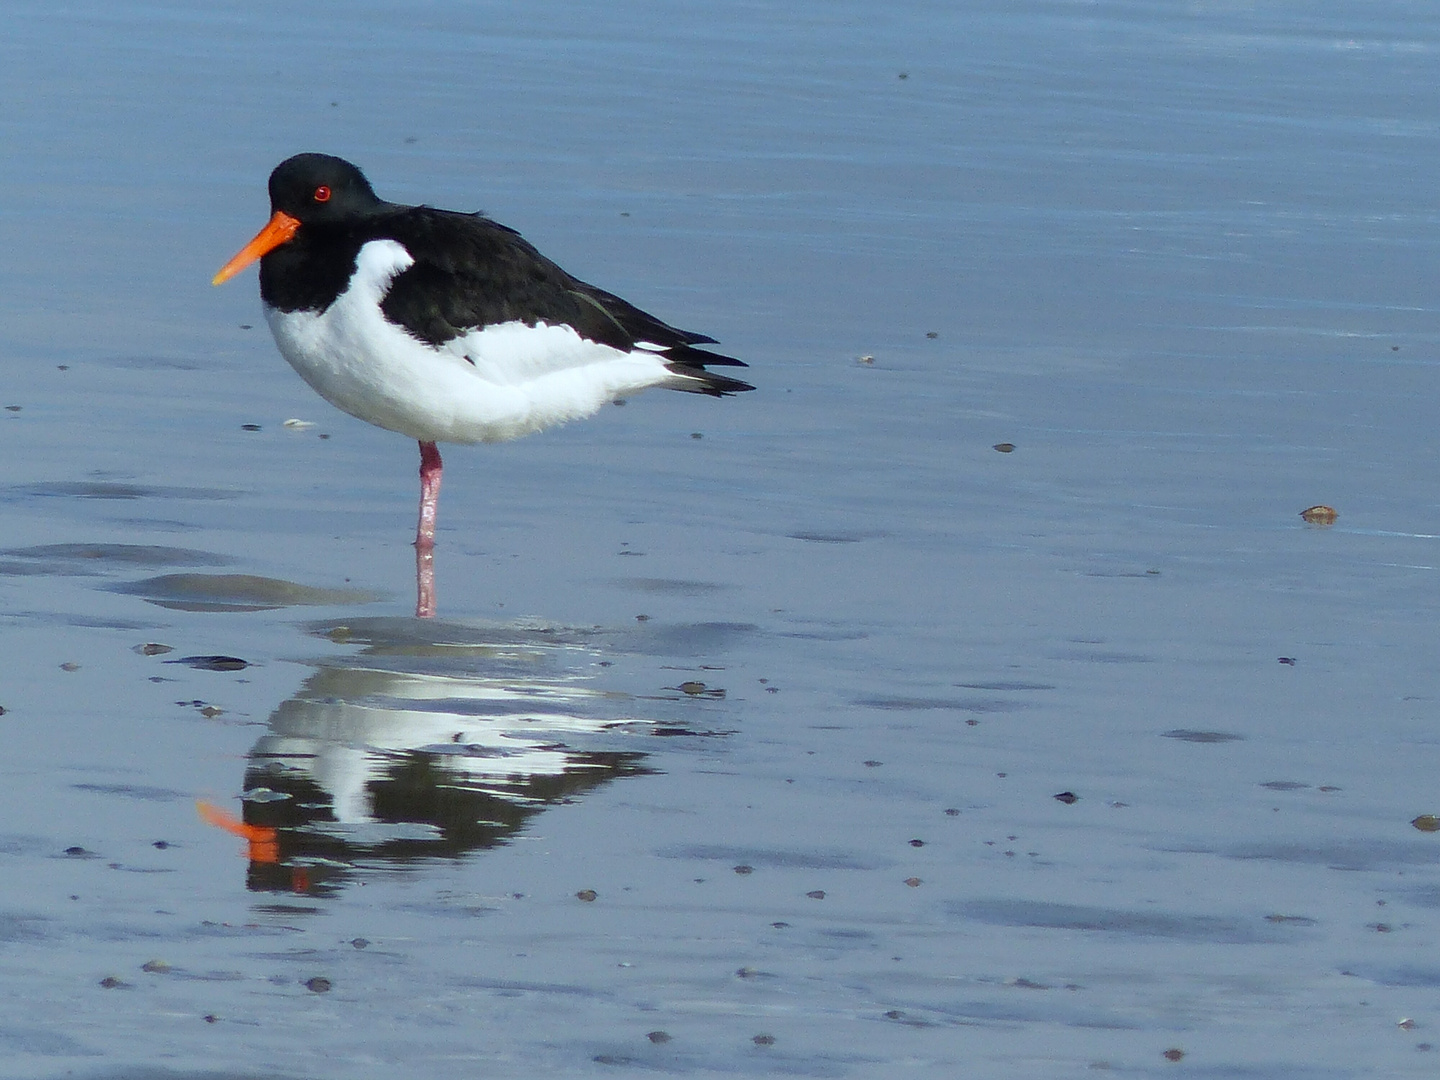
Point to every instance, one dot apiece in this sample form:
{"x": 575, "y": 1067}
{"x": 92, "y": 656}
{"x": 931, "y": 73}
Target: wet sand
{"x": 970, "y": 699}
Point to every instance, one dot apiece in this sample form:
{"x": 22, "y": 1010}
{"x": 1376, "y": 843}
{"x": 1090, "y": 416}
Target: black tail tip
{"x": 722, "y": 385}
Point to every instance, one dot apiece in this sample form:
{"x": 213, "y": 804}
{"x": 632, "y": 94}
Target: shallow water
{"x": 736, "y": 746}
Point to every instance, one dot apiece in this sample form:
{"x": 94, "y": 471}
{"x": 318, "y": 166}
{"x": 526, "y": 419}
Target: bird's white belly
{"x": 493, "y": 384}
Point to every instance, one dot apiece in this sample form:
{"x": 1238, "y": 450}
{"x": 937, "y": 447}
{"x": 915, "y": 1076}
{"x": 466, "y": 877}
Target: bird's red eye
{"x": 322, "y": 194}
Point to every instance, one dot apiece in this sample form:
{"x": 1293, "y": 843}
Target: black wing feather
{"x": 472, "y": 272}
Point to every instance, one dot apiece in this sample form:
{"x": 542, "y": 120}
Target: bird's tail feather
{"x": 696, "y": 380}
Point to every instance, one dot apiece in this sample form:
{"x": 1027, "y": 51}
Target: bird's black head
{"x": 321, "y": 188}
{"x": 314, "y": 190}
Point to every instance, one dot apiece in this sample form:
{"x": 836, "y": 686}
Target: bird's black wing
{"x": 472, "y": 272}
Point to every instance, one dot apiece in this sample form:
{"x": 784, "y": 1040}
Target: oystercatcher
{"x": 447, "y": 327}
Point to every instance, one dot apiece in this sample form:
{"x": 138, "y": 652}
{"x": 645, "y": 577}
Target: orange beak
{"x": 277, "y": 231}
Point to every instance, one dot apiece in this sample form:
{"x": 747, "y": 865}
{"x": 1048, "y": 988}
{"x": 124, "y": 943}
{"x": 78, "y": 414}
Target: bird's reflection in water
{"x": 434, "y": 740}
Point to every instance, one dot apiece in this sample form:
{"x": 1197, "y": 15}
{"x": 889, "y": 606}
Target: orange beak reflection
{"x": 264, "y": 842}
{"x": 277, "y": 231}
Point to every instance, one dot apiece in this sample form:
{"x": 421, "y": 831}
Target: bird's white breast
{"x": 494, "y": 383}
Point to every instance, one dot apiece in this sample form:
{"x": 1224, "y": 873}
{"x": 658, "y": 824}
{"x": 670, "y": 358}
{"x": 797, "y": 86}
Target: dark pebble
{"x": 212, "y": 663}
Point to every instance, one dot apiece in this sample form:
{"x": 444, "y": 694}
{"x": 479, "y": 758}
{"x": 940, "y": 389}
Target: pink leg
{"x": 424, "y": 583}
{"x": 430, "y": 466}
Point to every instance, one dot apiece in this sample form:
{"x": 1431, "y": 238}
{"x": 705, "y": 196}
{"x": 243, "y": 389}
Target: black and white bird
{"x": 444, "y": 326}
